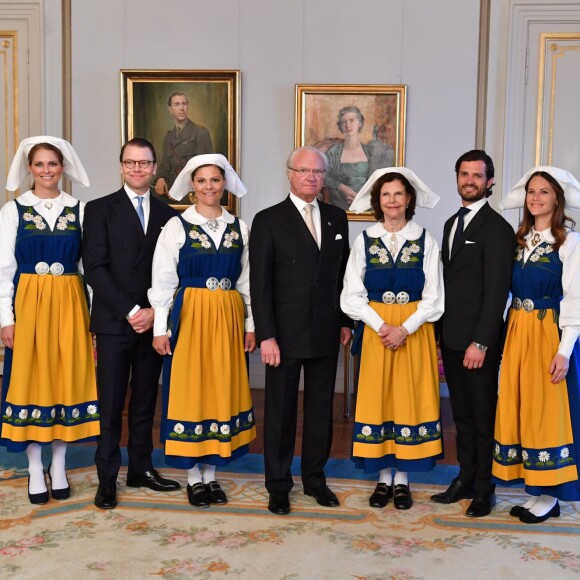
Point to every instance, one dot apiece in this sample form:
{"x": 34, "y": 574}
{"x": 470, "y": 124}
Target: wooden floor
{"x": 342, "y": 441}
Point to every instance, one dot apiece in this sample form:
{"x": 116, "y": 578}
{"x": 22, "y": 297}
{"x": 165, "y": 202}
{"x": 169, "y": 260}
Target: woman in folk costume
{"x": 204, "y": 324}
{"x": 393, "y": 284}
{"x": 537, "y": 427}
{"x": 49, "y": 393}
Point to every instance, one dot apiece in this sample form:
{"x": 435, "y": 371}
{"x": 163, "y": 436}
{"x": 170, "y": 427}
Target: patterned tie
{"x": 463, "y": 211}
{"x": 309, "y": 221}
{"x": 140, "y": 211}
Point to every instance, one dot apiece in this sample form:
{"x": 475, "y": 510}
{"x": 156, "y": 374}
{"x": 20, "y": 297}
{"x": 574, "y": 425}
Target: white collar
{"x": 545, "y": 236}
{"x": 63, "y": 199}
{"x": 411, "y": 231}
{"x": 476, "y": 206}
{"x": 132, "y": 195}
{"x": 300, "y": 203}
{"x": 192, "y": 216}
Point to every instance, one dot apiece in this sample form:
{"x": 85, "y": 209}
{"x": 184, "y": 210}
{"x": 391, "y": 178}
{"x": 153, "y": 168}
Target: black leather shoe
{"x": 279, "y": 503}
{"x": 481, "y": 505}
{"x": 197, "y": 495}
{"x": 380, "y": 497}
{"x": 323, "y": 495}
{"x": 59, "y": 494}
{"x": 153, "y": 480}
{"x": 517, "y": 511}
{"x": 402, "y": 497}
{"x": 216, "y": 493}
{"x": 528, "y": 517}
{"x": 457, "y": 490}
{"x": 106, "y": 497}
{"x": 37, "y": 498}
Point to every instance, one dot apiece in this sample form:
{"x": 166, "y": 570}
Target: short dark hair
{"x": 176, "y": 94}
{"x": 350, "y": 109}
{"x": 478, "y": 155}
{"x": 376, "y": 195}
{"x": 139, "y": 142}
{"x": 48, "y": 147}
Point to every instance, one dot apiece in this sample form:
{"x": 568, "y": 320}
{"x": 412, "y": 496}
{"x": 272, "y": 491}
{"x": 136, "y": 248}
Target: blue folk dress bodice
{"x": 403, "y": 273}
{"x": 539, "y": 278}
{"x": 37, "y": 243}
{"x": 200, "y": 260}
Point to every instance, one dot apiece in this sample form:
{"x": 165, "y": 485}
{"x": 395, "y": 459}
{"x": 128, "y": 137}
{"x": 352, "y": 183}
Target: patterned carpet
{"x": 161, "y": 535}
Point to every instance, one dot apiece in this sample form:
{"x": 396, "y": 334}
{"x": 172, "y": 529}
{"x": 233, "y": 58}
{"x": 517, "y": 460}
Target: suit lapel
{"x": 477, "y": 222}
{"x": 296, "y": 226}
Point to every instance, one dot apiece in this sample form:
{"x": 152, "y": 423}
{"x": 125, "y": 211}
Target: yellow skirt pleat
{"x": 532, "y": 411}
{"x": 401, "y": 386}
{"x": 53, "y": 362}
{"x": 209, "y": 379}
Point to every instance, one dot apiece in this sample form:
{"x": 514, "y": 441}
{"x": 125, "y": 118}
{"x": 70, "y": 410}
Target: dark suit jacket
{"x": 295, "y": 287}
{"x": 477, "y": 280}
{"x": 117, "y": 257}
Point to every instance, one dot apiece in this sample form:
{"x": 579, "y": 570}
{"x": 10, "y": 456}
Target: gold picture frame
{"x": 214, "y": 120}
{"x": 322, "y": 112}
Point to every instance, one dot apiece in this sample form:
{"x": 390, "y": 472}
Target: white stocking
{"x": 194, "y": 475}
{"x": 386, "y": 476}
{"x": 35, "y": 469}
{"x": 58, "y": 465}
{"x": 208, "y": 473}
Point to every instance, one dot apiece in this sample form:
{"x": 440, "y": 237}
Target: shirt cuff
{"x": 134, "y": 311}
{"x": 160, "y": 321}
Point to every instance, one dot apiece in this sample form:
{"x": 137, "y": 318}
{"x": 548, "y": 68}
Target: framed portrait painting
{"x": 183, "y": 113}
{"x": 361, "y": 128}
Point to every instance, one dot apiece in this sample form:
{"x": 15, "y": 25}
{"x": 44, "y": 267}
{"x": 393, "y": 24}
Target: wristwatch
{"x": 479, "y": 347}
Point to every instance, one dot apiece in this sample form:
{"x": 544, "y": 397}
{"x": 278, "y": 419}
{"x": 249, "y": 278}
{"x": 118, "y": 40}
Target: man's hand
{"x": 250, "y": 341}
{"x": 161, "y": 345}
{"x": 142, "y": 321}
{"x": 270, "y": 352}
{"x": 558, "y": 367}
{"x": 473, "y": 358}
{"x": 161, "y": 187}
{"x": 7, "y": 336}
{"x": 345, "y": 335}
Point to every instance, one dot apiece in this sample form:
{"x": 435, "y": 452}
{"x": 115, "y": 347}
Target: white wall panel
{"x": 430, "y": 46}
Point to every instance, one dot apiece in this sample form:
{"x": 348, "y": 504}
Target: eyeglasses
{"x": 304, "y": 172}
{"x": 143, "y": 163}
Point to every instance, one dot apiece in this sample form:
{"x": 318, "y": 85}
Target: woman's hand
{"x": 393, "y": 337}
{"x": 7, "y": 336}
{"x": 250, "y": 341}
{"x": 161, "y": 345}
{"x": 558, "y": 367}
{"x": 348, "y": 192}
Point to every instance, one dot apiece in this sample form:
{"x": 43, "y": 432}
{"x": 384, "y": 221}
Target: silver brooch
{"x": 48, "y": 204}
{"x": 213, "y": 224}
{"x": 536, "y": 239}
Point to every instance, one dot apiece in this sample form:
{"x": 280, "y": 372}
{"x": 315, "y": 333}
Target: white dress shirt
{"x": 354, "y": 300}
{"x": 146, "y": 205}
{"x": 473, "y": 209}
{"x": 49, "y": 209}
{"x": 300, "y": 204}
{"x": 165, "y": 279}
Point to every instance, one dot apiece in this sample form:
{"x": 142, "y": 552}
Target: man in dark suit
{"x": 298, "y": 254}
{"x": 119, "y": 236}
{"x": 180, "y": 144}
{"x": 478, "y": 250}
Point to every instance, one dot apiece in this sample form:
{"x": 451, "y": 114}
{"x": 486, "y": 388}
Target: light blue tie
{"x": 140, "y": 211}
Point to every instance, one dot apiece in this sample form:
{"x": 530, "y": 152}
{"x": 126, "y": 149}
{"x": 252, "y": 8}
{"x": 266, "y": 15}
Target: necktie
{"x": 309, "y": 221}
{"x": 463, "y": 211}
{"x": 140, "y": 211}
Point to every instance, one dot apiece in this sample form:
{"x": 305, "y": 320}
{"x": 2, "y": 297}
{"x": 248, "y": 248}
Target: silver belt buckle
{"x": 56, "y": 269}
{"x": 402, "y": 298}
{"x": 212, "y": 283}
{"x": 42, "y": 268}
{"x": 516, "y": 303}
{"x": 225, "y": 284}
{"x": 528, "y": 305}
{"x": 388, "y": 297}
